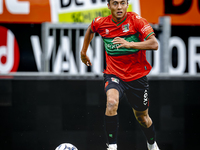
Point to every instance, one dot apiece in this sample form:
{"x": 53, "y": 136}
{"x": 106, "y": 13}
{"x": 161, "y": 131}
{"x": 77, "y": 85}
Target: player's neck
{"x": 119, "y": 19}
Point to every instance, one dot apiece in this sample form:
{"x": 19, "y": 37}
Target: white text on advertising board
{"x": 15, "y": 6}
{"x": 74, "y": 65}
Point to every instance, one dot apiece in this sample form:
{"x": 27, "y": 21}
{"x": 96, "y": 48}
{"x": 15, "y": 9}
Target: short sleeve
{"x": 143, "y": 27}
{"x": 95, "y": 24}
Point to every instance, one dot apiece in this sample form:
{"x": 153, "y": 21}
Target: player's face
{"x": 118, "y": 8}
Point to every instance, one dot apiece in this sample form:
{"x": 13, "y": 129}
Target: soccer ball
{"x": 66, "y": 146}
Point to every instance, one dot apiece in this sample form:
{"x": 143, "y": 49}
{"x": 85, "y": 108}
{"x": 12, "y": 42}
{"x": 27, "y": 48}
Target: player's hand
{"x": 122, "y": 42}
{"x": 85, "y": 59}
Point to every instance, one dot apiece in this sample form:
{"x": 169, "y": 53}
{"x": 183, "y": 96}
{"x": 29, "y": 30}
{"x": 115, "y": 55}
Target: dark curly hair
{"x": 109, "y": 1}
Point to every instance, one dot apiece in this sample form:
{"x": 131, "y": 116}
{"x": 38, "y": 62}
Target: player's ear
{"x": 108, "y": 6}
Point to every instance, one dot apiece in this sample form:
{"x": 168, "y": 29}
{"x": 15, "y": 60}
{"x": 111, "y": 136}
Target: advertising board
{"x": 23, "y": 20}
{"x": 26, "y": 11}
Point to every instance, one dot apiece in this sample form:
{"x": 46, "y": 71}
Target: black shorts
{"x": 137, "y": 91}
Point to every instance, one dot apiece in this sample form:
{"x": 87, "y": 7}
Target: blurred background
{"x": 48, "y": 97}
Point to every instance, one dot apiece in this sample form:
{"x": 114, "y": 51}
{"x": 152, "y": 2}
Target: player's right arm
{"x": 88, "y": 38}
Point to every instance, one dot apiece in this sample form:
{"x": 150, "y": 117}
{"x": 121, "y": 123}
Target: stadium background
{"x": 40, "y": 111}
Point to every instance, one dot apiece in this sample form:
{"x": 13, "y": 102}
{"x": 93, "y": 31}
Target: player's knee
{"x": 112, "y": 105}
{"x": 143, "y": 120}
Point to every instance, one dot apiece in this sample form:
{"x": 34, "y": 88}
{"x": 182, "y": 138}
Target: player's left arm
{"x": 150, "y": 44}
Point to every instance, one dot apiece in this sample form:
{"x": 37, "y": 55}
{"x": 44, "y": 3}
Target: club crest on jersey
{"x": 125, "y": 28}
{"x": 115, "y": 80}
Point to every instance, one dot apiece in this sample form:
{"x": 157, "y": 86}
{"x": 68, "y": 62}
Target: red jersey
{"x": 127, "y": 64}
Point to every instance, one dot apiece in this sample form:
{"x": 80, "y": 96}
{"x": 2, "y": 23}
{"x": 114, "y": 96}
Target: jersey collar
{"x": 120, "y": 22}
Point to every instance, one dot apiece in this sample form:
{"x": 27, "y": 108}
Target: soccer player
{"x": 126, "y": 37}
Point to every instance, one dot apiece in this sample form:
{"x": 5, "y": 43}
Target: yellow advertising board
{"x": 85, "y": 16}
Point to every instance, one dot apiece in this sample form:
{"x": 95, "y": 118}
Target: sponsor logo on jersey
{"x": 111, "y": 46}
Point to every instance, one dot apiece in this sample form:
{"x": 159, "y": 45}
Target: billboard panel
{"x": 16, "y": 52}
{"x": 84, "y": 11}
{"x": 26, "y": 11}
{"x": 20, "y": 26}
{"x": 182, "y": 12}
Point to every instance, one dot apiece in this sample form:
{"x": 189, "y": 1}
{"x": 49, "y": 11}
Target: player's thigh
{"x": 138, "y": 94}
{"x": 113, "y": 87}
{"x": 114, "y": 90}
